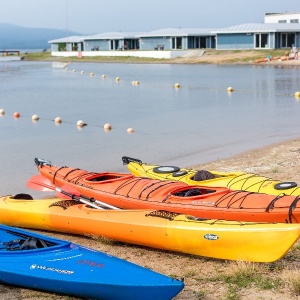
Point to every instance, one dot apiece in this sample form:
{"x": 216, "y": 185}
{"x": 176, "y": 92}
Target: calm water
{"x": 196, "y": 123}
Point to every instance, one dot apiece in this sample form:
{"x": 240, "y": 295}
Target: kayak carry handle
{"x": 126, "y": 160}
{"x": 41, "y": 162}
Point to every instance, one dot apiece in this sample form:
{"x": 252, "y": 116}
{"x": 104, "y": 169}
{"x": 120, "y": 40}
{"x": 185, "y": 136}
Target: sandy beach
{"x": 205, "y": 278}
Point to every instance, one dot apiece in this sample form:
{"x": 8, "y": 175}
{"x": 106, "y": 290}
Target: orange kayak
{"x": 129, "y": 192}
{"x": 157, "y": 229}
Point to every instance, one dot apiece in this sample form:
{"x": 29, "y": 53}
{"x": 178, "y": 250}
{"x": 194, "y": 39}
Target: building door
{"x": 203, "y": 42}
{"x": 287, "y": 40}
{"x": 261, "y": 40}
{"x": 177, "y": 43}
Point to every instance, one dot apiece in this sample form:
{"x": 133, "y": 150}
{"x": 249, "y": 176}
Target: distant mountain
{"x": 18, "y": 37}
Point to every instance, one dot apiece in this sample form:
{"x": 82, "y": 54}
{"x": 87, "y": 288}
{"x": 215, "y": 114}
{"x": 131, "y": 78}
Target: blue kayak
{"x": 40, "y": 262}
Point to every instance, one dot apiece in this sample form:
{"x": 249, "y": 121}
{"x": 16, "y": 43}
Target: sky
{"x": 96, "y": 16}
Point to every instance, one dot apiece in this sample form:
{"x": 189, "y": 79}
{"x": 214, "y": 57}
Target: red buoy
{"x": 17, "y": 115}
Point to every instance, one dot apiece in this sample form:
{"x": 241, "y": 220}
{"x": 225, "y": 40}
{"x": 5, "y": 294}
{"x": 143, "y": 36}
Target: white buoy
{"x": 177, "y": 85}
{"x": 92, "y": 74}
{"x": 130, "y": 130}
{"x": 107, "y": 126}
{"x": 297, "y": 94}
{"x": 74, "y": 70}
{"x": 103, "y": 76}
{"x": 57, "y": 120}
{"x": 230, "y": 89}
{"x": 35, "y": 117}
{"x": 2, "y": 111}
{"x": 117, "y": 78}
{"x": 80, "y": 123}
{"x": 82, "y": 72}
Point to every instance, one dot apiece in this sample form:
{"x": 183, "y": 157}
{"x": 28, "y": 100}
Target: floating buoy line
{"x": 80, "y": 123}
{"x": 107, "y": 126}
{"x": 177, "y": 85}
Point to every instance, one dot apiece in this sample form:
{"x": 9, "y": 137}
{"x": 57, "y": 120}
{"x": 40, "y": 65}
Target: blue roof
{"x": 179, "y": 32}
{"x": 113, "y": 35}
{"x": 69, "y": 39}
{"x": 261, "y": 27}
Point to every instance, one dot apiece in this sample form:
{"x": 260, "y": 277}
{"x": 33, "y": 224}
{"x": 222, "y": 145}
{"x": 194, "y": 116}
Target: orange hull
{"x": 127, "y": 191}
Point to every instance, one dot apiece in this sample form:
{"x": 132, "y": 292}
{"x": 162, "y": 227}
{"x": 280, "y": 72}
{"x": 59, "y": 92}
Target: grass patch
{"x": 293, "y": 253}
{"x": 293, "y": 281}
{"x": 46, "y": 56}
{"x": 232, "y": 293}
{"x": 245, "y": 275}
{"x": 200, "y": 294}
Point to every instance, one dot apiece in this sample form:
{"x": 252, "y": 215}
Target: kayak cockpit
{"x": 24, "y": 244}
{"x": 15, "y": 240}
{"x": 195, "y": 193}
{"x": 107, "y": 177}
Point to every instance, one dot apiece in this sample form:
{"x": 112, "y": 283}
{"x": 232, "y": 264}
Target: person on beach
{"x": 295, "y": 50}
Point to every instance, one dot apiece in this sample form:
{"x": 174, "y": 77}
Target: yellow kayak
{"x": 238, "y": 181}
{"x": 230, "y": 240}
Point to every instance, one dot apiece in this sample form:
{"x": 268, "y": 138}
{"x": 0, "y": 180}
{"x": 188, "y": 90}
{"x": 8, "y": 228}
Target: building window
{"x": 294, "y": 20}
{"x": 62, "y": 47}
{"x": 114, "y": 45}
{"x": 261, "y": 40}
{"x": 281, "y": 21}
{"x": 74, "y": 47}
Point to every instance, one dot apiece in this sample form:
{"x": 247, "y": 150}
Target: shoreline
{"x": 279, "y": 161}
{"x": 209, "y": 57}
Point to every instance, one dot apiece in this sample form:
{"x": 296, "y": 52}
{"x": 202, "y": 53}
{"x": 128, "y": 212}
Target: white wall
{"x": 279, "y": 17}
{"x": 149, "y": 54}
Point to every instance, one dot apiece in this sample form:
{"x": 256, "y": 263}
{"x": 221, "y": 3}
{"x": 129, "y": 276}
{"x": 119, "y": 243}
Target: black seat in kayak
{"x": 22, "y": 244}
{"x": 203, "y": 175}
